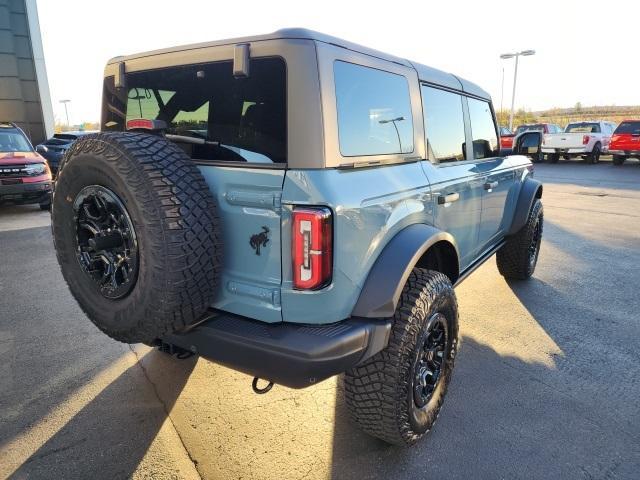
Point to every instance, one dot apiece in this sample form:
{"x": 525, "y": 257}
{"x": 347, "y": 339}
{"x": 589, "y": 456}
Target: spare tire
{"x": 136, "y": 234}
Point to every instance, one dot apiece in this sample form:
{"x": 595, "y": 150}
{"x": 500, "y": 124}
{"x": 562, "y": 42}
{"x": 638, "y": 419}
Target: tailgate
{"x": 563, "y": 140}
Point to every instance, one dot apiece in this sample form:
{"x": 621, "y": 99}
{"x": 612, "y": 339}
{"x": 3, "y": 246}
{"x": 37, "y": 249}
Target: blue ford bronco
{"x": 295, "y": 206}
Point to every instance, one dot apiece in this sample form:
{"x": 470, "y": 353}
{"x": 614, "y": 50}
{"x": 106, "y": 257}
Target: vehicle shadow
{"x": 112, "y": 433}
{"x": 503, "y": 418}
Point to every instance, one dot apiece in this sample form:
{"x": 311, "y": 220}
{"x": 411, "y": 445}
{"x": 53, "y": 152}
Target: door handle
{"x": 448, "y": 198}
{"x": 490, "y": 185}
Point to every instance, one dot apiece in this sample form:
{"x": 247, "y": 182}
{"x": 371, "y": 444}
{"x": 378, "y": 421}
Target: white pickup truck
{"x": 585, "y": 139}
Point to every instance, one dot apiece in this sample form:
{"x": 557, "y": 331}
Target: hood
{"x": 12, "y": 158}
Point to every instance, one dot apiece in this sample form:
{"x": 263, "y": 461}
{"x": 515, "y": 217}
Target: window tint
{"x": 583, "y": 127}
{"x": 629, "y": 127}
{"x": 374, "y": 111}
{"x": 246, "y": 116}
{"x": 485, "y": 140}
{"x": 444, "y": 124}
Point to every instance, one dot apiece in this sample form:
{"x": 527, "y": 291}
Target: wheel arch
{"x": 418, "y": 245}
{"x": 530, "y": 190}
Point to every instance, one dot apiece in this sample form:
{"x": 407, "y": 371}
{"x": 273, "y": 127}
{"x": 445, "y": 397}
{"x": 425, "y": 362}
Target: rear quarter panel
{"x": 369, "y": 205}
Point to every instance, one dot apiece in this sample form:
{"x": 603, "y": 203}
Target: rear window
{"x": 529, "y": 128}
{"x": 243, "y": 118}
{"x": 629, "y": 127}
{"x": 582, "y": 128}
{"x": 374, "y": 111}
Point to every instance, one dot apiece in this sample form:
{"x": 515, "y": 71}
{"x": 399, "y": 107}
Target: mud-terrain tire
{"x": 518, "y": 258}
{"x": 142, "y": 215}
{"x": 618, "y": 159}
{"x": 382, "y": 393}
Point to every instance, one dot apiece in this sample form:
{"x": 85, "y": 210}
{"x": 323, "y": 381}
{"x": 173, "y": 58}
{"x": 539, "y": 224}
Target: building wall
{"x": 24, "y": 90}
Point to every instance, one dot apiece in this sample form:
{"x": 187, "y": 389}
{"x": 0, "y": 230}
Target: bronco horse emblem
{"x": 259, "y": 240}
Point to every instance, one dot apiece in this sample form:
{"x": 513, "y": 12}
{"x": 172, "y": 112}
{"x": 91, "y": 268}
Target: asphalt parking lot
{"x": 546, "y": 383}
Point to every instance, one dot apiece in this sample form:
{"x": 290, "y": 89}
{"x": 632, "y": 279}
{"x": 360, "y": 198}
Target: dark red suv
{"x": 24, "y": 175}
{"x": 625, "y": 141}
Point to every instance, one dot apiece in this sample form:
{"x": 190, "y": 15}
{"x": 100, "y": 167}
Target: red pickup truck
{"x": 24, "y": 175}
{"x": 625, "y": 141}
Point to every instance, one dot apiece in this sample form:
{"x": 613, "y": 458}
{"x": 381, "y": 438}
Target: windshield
{"x": 240, "y": 119}
{"x": 14, "y": 142}
{"x": 583, "y": 128}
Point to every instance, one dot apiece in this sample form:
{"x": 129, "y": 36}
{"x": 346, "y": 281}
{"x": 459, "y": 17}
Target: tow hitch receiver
{"x": 171, "y": 349}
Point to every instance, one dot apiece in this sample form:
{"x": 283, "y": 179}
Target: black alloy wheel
{"x": 429, "y": 360}
{"x": 534, "y": 247}
{"x": 106, "y": 244}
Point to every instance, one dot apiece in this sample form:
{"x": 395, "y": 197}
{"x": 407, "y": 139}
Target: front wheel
{"x": 518, "y": 258}
{"x": 397, "y": 394}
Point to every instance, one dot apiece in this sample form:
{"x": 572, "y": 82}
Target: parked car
{"x": 506, "y": 138}
{"x": 585, "y": 139}
{"x": 295, "y": 206}
{"x": 24, "y": 175}
{"x": 545, "y": 128}
{"x": 54, "y": 148}
{"x": 625, "y": 141}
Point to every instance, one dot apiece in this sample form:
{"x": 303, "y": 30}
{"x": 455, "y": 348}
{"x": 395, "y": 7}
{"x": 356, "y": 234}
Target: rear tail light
{"x": 585, "y": 139}
{"x": 145, "y": 124}
{"x": 615, "y": 137}
{"x": 312, "y": 235}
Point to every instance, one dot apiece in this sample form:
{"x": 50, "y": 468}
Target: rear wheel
{"x": 618, "y": 159}
{"x": 517, "y": 259}
{"x": 136, "y": 234}
{"x": 594, "y": 156}
{"x": 397, "y": 394}
{"x": 553, "y": 157}
{"x": 538, "y": 158}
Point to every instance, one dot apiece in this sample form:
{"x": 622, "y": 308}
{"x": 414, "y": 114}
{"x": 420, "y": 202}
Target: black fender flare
{"x": 529, "y": 191}
{"x": 382, "y": 289}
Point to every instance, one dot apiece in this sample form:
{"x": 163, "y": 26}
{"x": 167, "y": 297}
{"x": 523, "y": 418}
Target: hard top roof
{"x": 425, "y": 73}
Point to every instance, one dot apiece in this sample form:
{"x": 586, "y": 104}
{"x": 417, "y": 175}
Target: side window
{"x": 485, "y": 140}
{"x": 444, "y": 124}
{"x": 374, "y": 111}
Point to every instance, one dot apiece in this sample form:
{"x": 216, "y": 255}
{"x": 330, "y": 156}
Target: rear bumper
{"x": 624, "y": 152}
{"x": 566, "y": 151}
{"x": 292, "y": 355}
{"x": 39, "y": 192}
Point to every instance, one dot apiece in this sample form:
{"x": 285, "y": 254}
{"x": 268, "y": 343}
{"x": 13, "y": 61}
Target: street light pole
{"x": 513, "y": 95}
{"x": 504, "y": 56}
{"x": 394, "y": 120}
{"x": 66, "y": 112}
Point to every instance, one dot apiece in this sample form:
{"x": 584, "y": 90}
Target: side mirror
{"x": 529, "y": 144}
{"x": 41, "y": 149}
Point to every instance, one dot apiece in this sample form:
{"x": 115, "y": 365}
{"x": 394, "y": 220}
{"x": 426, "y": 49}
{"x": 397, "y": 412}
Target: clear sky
{"x": 586, "y": 51}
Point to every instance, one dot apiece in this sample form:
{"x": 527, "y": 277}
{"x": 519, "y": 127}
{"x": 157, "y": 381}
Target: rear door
{"x": 497, "y": 176}
{"x": 235, "y": 130}
{"x": 455, "y": 181}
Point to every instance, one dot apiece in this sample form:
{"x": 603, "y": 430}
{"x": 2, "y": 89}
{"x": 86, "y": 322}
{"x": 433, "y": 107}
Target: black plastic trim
{"x": 384, "y": 284}
{"x": 479, "y": 262}
{"x": 288, "y": 354}
{"x": 528, "y": 193}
